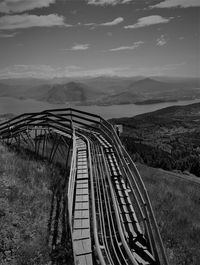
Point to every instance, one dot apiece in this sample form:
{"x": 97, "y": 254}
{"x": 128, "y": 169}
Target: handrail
{"x": 58, "y": 119}
{"x": 93, "y": 205}
{"x": 71, "y": 183}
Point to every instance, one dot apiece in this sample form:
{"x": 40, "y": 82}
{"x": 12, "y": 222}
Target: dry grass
{"x": 24, "y": 209}
{"x": 25, "y": 198}
{"x": 176, "y": 203}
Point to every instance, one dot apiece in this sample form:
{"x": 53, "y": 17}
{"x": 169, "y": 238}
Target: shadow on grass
{"x": 57, "y": 239}
{"x": 58, "y": 228}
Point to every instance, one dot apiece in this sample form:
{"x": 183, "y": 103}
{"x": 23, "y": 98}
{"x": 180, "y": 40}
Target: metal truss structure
{"x": 108, "y": 211}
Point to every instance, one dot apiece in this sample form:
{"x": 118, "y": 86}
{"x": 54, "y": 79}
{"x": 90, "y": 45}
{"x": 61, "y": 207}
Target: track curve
{"x": 109, "y": 213}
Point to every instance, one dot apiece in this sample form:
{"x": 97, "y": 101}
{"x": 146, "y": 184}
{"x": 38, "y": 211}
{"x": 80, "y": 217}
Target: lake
{"x": 16, "y": 106}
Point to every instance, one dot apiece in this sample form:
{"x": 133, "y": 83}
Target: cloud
{"x": 18, "y": 6}
{"x": 126, "y": 1}
{"x": 110, "y": 71}
{"x": 108, "y": 2}
{"x": 159, "y": 70}
{"x": 23, "y": 71}
{"x": 27, "y": 21}
{"x": 87, "y": 24}
{"x": 161, "y": 41}
{"x": 116, "y": 21}
{"x": 148, "y": 21}
{"x": 47, "y": 71}
{"x": 178, "y": 3}
{"x": 8, "y": 35}
{"x": 124, "y": 48}
{"x": 78, "y": 47}
{"x": 37, "y": 71}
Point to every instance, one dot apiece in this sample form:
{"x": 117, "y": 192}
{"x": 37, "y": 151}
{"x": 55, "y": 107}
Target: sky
{"x": 70, "y": 38}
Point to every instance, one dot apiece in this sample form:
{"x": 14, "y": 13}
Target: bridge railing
{"x": 71, "y": 183}
{"x": 65, "y": 120}
{"x": 139, "y": 190}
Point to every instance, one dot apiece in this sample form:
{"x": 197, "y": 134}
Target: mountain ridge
{"x": 103, "y": 90}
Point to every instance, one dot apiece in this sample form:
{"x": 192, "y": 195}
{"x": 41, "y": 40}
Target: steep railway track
{"x": 109, "y": 214}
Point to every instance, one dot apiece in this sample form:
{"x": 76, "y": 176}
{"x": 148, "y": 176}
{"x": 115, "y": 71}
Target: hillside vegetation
{"x": 176, "y": 205}
{"x": 168, "y": 138}
{"x": 25, "y": 202}
{"x": 25, "y": 193}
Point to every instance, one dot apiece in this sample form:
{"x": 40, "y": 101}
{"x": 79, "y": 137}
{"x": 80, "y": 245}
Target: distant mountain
{"x": 148, "y": 90}
{"x": 149, "y": 85}
{"x": 25, "y": 82}
{"x": 37, "y": 92}
{"x": 183, "y": 81}
{"x": 103, "y": 90}
{"x": 100, "y": 81}
{"x": 18, "y": 88}
{"x": 111, "y": 85}
{"x": 70, "y": 92}
{"x": 108, "y": 85}
{"x": 76, "y": 92}
{"x": 62, "y": 93}
{"x": 4, "y": 89}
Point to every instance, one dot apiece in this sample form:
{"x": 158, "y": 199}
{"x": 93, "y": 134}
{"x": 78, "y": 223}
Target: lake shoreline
{"x": 17, "y": 106}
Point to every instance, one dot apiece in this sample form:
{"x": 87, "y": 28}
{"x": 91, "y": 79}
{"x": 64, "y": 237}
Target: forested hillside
{"x": 167, "y": 138}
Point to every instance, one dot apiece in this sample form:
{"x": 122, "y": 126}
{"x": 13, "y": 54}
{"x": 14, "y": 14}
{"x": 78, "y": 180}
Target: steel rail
{"x": 133, "y": 227}
{"x": 117, "y": 213}
{"x": 99, "y": 208}
{"x": 100, "y": 256}
{"x": 115, "y": 229}
{"x": 147, "y": 206}
{"x": 109, "y": 220}
{"x": 132, "y": 189}
{"x": 107, "y": 197}
{"x": 150, "y": 218}
{"x": 140, "y": 201}
{"x": 104, "y": 216}
{"x": 62, "y": 120}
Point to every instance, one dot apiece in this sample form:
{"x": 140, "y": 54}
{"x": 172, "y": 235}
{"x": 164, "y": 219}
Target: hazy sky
{"x": 55, "y": 38}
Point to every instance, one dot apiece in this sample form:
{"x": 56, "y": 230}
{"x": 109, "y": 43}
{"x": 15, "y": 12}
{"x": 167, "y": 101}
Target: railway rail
{"x": 109, "y": 213}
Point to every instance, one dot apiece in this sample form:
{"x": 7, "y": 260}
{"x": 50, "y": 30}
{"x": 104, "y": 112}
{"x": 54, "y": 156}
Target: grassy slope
{"x": 25, "y": 205}
{"x": 176, "y": 203}
{"x": 24, "y": 210}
